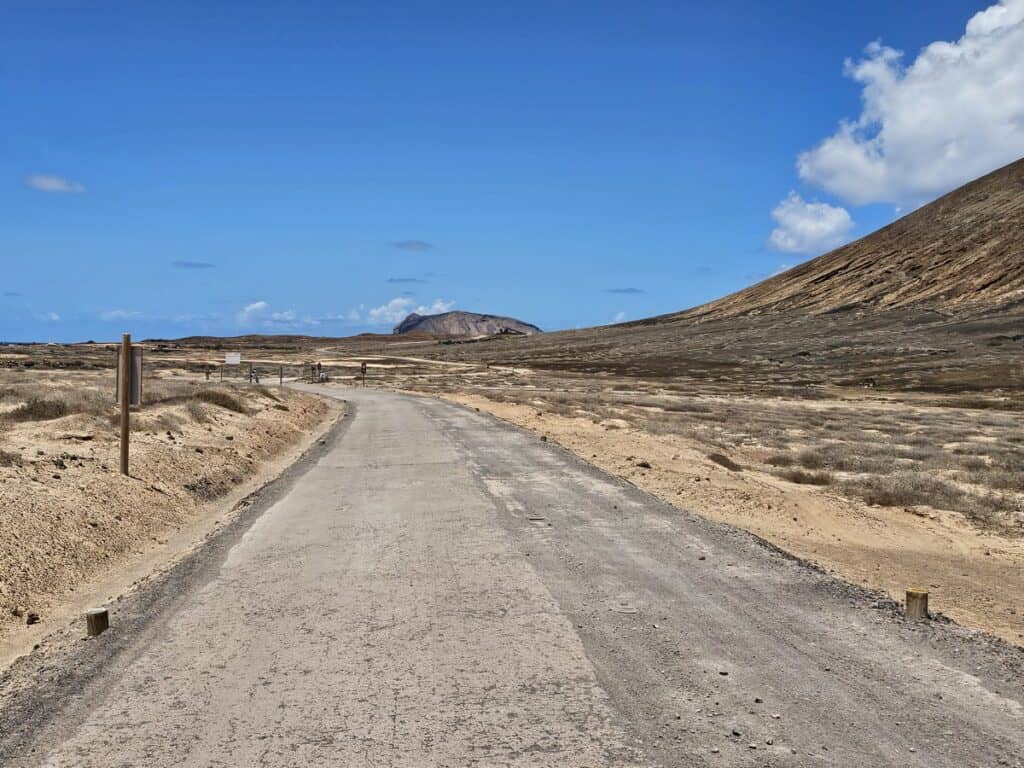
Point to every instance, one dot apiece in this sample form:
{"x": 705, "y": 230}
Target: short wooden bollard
{"x": 97, "y": 621}
{"x": 917, "y": 604}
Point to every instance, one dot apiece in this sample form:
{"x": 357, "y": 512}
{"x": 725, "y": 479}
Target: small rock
{"x": 32, "y": 618}
{"x": 723, "y": 672}
{"x": 18, "y": 611}
{"x": 543, "y": 438}
{"x": 758, "y": 700}
{"x": 702, "y": 557}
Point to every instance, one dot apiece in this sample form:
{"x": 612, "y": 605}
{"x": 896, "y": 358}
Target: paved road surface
{"x": 443, "y": 590}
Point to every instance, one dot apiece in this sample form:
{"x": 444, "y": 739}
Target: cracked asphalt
{"x": 437, "y": 588}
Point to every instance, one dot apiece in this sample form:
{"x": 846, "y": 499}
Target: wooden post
{"x": 126, "y": 393}
{"x": 917, "y": 604}
{"x": 97, "y": 621}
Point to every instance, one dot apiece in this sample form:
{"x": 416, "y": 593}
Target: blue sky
{"x": 179, "y": 168}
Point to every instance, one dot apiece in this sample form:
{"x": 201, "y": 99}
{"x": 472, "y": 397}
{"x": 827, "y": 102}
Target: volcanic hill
{"x": 464, "y": 324}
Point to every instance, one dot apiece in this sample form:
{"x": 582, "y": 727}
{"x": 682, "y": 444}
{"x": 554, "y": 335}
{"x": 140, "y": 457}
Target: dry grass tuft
{"x": 724, "y": 461}
{"x": 39, "y": 409}
{"x": 221, "y": 399}
{"x": 804, "y": 477}
{"x": 10, "y": 459}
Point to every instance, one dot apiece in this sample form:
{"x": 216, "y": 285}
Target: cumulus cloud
{"x": 804, "y": 227}
{"x": 396, "y": 310}
{"x": 413, "y": 245}
{"x": 954, "y": 113}
{"x": 192, "y": 265}
{"x": 46, "y": 183}
{"x": 253, "y": 312}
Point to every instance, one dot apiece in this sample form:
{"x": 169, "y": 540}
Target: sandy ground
{"x": 974, "y": 577}
{"x": 74, "y": 532}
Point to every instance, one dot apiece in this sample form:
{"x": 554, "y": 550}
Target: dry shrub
{"x": 196, "y": 411}
{"x": 266, "y": 392}
{"x": 810, "y": 459}
{"x": 724, "y": 461}
{"x": 804, "y": 477}
{"x": 39, "y": 409}
{"x": 780, "y": 460}
{"x": 221, "y": 399}
{"x": 908, "y": 489}
{"x": 10, "y": 459}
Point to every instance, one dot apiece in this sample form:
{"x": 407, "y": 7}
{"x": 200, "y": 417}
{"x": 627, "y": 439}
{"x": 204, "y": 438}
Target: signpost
{"x": 233, "y": 358}
{"x": 362, "y": 370}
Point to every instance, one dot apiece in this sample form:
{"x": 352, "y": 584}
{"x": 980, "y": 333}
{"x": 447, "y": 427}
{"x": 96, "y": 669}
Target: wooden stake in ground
{"x": 125, "y": 397}
{"x": 97, "y": 621}
{"x": 917, "y": 604}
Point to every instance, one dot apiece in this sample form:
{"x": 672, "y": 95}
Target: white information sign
{"x": 233, "y": 358}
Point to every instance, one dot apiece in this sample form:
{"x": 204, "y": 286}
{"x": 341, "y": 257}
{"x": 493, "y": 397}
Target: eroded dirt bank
{"x": 975, "y": 576}
{"x": 70, "y": 523}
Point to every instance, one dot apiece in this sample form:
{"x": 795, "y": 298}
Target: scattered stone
{"x": 702, "y": 557}
{"x": 18, "y": 611}
{"x": 644, "y": 464}
{"x": 723, "y": 672}
{"x": 32, "y": 618}
{"x": 543, "y": 438}
{"x": 758, "y": 700}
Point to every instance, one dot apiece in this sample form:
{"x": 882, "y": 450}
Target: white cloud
{"x": 252, "y": 312}
{"x": 619, "y": 317}
{"x": 396, "y": 310}
{"x": 118, "y": 314}
{"x": 809, "y": 227}
{"x": 51, "y": 317}
{"x": 955, "y": 113}
{"x": 45, "y": 183}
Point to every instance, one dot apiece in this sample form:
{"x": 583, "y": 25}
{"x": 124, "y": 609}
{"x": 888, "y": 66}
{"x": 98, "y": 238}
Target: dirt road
{"x": 437, "y": 588}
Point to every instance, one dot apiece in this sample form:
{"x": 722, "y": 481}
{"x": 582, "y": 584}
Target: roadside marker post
{"x": 128, "y": 389}
{"x": 917, "y": 604}
{"x": 97, "y": 621}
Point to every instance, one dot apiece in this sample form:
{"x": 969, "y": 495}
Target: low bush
{"x": 39, "y": 409}
{"x": 221, "y": 399}
{"x": 724, "y": 461}
{"x": 9, "y": 459}
{"x": 804, "y": 477}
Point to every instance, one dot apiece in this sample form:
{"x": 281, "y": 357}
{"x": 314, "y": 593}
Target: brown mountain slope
{"x": 965, "y": 251}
